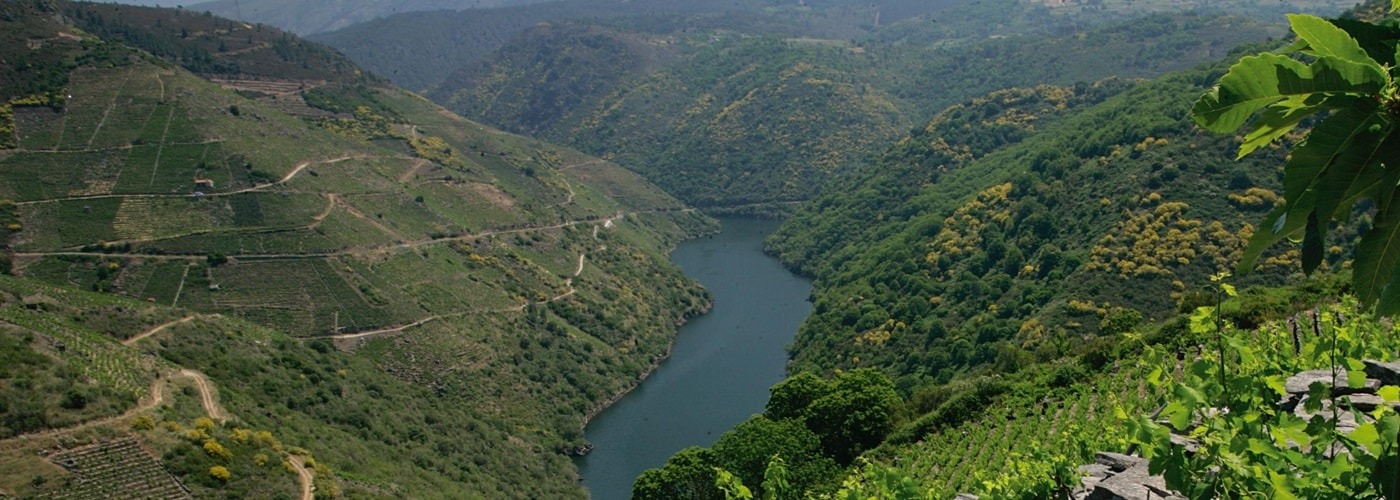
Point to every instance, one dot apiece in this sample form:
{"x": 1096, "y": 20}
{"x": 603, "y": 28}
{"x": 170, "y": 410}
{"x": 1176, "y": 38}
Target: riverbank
{"x": 716, "y": 371}
{"x": 651, "y": 368}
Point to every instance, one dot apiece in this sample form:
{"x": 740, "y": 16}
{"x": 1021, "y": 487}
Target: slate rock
{"x": 1095, "y": 470}
{"x": 1388, "y": 372}
{"x": 1191, "y": 445}
{"x": 1132, "y": 484}
{"x": 1118, "y": 462}
{"x": 1298, "y": 384}
{"x": 1363, "y": 402}
{"x": 1346, "y": 421}
{"x": 1093, "y": 474}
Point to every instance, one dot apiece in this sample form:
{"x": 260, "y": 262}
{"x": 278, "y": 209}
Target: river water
{"x": 720, "y": 368}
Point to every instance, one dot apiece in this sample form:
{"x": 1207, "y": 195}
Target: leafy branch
{"x": 1346, "y": 71}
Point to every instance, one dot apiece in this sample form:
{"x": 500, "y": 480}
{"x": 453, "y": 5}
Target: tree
{"x": 748, "y": 449}
{"x": 855, "y": 416}
{"x": 690, "y": 473}
{"x": 1346, "y": 70}
{"x": 791, "y": 397}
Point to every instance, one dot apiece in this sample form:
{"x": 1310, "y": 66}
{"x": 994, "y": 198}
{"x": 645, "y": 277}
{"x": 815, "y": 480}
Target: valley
{"x": 720, "y": 367}
{"x": 990, "y": 247}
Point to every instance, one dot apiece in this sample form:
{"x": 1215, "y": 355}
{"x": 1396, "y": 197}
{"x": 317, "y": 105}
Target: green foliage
{"x": 791, "y": 397}
{"x": 749, "y": 451}
{"x": 724, "y": 121}
{"x": 1248, "y": 445}
{"x": 994, "y": 244}
{"x": 876, "y": 481}
{"x": 732, "y": 488}
{"x": 1345, "y": 69}
{"x": 812, "y": 427}
{"x": 689, "y": 473}
{"x": 855, "y": 415}
{"x": 1041, "y": 473}
{"x": 211, "y": 45}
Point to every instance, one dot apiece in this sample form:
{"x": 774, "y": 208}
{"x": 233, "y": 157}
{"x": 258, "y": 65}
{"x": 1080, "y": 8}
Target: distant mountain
{"x": 721, "y": 119}
{"x": 154, "y": 3}
{"x": 732, "y": 105}
{"x": 420, "y": 50}
{"x": 281, "y": 273}
{"x": 317, "y": 16}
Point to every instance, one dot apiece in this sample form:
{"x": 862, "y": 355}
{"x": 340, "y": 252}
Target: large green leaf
{"x": 1309, "y": 161}
{"x": 1376, "y": 259}
{"x": 1250, "y": 85}
{"x": 1312, "y": 244}
{"x": 1327, "y": 40}
{"x": 1377, "y": 40}
{"x": 1282, "y": 117}
{"x": 1274, "y": 122}
{"x": 1324, "y": 148}
{"x": 1332, "y": 75}
{"x": 1358, "y": 162}
{"x": 1262, "y": 80}
{"x": 1374, "y": 181}
{"x": 1277, "y": 225}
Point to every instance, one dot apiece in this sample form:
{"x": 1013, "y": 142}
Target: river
{"x": 720, "y": 367}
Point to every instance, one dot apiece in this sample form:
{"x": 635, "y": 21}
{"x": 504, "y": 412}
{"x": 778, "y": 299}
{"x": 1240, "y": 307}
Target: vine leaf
{"x": 1367, "y": 436}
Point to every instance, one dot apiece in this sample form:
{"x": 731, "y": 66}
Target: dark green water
{"x": 720, "y": 368}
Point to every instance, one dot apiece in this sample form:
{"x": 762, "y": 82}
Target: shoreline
{"x": 646, "y": 373}
{"x": 601, "y": 406}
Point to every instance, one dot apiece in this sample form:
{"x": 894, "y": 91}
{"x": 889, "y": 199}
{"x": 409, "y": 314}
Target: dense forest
{"x": 722, "y": 120}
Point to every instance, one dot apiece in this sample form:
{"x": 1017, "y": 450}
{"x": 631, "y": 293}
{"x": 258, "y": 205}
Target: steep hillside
{"x": 721, "y": 119}
{"x": 429, "y": 306}
{"x": 1035, "y": 270}
{"x": 421, "y": 50}
{"x": 210, "y": 45}
{"x": 1005, "y": 229}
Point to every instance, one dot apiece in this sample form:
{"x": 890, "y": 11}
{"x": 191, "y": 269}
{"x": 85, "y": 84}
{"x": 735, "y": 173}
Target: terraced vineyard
{"x": 122, "y": 465}
{"x": 1075, "y": 423}
{"x": 93, "y": 353}
{"x": 515, "y": 283}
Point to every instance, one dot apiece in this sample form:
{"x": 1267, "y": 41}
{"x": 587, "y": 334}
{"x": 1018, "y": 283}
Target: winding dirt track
{"x": 206, "y": 395}
{"x": 569, "y": 283}
{"x": 156, "y": 329}
{"x": 285, "y": 179}
{"x": 308, "y": 481}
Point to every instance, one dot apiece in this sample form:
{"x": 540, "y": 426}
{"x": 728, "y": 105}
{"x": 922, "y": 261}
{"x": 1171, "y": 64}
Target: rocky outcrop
{"x": 1342, "y": 397}
{"x": 1117, "y": 476}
